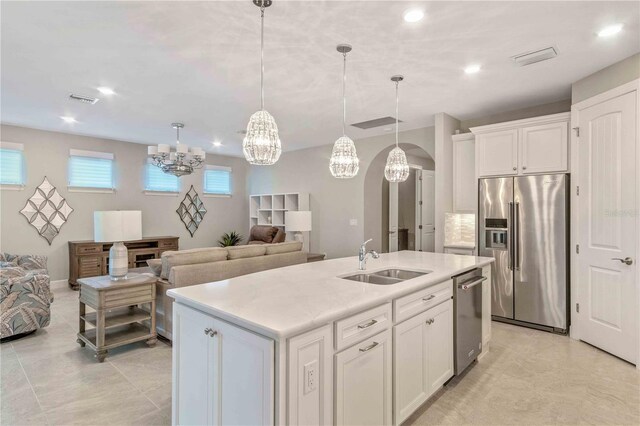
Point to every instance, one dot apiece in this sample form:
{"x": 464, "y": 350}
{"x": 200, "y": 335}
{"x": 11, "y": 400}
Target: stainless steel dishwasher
{"x": 467, "y": 317}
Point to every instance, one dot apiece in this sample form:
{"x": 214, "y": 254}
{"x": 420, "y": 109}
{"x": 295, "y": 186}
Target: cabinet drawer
{"x": 414, "y": 303}
{"x": 88, "y": 249}
{"x": 352, "y": 330}
{"x": 168, "y": 245}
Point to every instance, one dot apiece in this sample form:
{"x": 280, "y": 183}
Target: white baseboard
{"x": 59, "y": 284}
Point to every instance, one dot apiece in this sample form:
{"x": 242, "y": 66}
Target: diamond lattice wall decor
{"x": 47, "y": 210}
{"x": 191, "y": 211}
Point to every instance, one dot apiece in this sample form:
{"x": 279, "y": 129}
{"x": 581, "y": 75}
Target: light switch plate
{"x": 353, "y": 222}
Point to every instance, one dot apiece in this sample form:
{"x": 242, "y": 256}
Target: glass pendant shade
{"x": 261, "y": 145}
{"x": 344, "y": 163}
{"x": 397, "y": 168}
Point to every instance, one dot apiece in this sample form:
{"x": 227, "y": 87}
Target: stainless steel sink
{"x": 385, "y": 277}
{"x": 400, "y": 274}
{"x": 372, "y": 279}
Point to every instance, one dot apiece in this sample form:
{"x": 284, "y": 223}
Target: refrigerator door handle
{"x": 510, "y": 240}
{"x": 516, "y": 244}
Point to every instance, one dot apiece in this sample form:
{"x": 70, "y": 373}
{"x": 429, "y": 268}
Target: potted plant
{"x": 230, "y": 239}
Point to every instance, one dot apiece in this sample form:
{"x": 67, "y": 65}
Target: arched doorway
{"x": 377, "y": 213}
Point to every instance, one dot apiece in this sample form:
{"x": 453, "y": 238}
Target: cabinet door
{"x": 439, "y": 345}
{"x": 497, "y": 153}
{"x": 411, "y": 380}
{"x": 544, "y": 148}
{"x": 486, "y": 309}
{"x": 194, "y": 367}
{"x": 222, "y": 374}
{"x": 465, "y": 186}
{"x": 363, "y": 382}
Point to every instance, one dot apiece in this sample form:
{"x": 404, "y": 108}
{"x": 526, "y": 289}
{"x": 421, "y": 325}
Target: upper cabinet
{"x": 464, "y": 173}
{"x": 530, "y": 146}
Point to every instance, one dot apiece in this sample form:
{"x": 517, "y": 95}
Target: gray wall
{"x": 606, "y": 79}
{"x": 334, "y": 202}
{"x": 518, "y": 114}
{"x": 47, "y": 154}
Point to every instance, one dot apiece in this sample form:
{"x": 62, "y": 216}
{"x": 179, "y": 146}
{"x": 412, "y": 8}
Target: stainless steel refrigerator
{"x": 523, "y": 224}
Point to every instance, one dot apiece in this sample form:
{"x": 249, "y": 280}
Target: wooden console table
{"x": 118, "y": 318}
{"x": 91, "y": 259}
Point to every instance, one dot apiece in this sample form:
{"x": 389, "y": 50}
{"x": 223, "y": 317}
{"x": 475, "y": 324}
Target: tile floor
{"x": 528, "y": 378}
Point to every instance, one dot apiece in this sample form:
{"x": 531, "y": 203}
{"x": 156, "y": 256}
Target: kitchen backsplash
{"x": 459, "y": 228}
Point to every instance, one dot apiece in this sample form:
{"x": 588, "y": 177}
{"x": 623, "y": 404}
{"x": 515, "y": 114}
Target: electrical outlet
{"x": 310, "y": 376}
{"x": 353, "y": 222}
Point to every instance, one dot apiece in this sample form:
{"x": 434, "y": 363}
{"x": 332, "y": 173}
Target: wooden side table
{"x": 118, "y": 319}
{"x": 315, "y": 257}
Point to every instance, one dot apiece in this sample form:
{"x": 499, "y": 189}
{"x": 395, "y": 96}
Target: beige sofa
{"x": 197, "y": 266}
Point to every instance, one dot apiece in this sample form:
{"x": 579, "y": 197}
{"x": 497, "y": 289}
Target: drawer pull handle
{"x": 210, "y": 332}
{"x": 368, "y": 348}
{"x": 430, "y": 321}
{"x": 426, "y": 299}
{"x": 367, "y": 325}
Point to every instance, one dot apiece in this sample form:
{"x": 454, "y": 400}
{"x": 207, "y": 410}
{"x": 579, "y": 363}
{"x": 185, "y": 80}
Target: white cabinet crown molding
{"x": 507, "y": 125}
{"x": 462, "y": 137}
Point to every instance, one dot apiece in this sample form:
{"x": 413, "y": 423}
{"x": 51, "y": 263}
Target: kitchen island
{"x": 303, "y": 345}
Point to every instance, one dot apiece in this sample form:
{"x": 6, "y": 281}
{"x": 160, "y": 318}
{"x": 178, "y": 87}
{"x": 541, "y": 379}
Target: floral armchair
{"x": 25, "y": 294}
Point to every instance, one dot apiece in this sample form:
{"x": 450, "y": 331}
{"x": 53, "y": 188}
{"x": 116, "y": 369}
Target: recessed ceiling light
{"x": 106, "y": 90}
{"x": 610, "y": 30}
{"x": 413, "y": 15}
{"x": 472, "y": 69}
{"x": 216, "y": 143}
{"x": 68, "y": 119}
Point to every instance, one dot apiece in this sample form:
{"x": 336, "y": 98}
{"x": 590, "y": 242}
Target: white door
{"x": 393, "y": 217}
{"x": 222, "y": 374}
{"x": 608, "y": 222}
{"x": 439, "y": 345}
{"x": 497, "y": 153}
{"x": 428, "y": 222}
{"x": 411, "y": 384}
{"x": 363, "y": 382}
{"x": 544, "y": 148}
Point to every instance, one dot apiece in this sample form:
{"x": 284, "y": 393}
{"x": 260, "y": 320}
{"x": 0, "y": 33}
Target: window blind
{"x": 11, "y": 167}
{"x": 90, "y": 170}
{"x": 217, "y": 180}
{"x": 157, "y": 180}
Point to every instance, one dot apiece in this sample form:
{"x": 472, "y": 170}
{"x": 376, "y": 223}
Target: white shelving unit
{"x": 269, "y": 209}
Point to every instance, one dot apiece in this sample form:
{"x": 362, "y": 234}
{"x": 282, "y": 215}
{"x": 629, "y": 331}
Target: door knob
{"x": 626, "y": 260}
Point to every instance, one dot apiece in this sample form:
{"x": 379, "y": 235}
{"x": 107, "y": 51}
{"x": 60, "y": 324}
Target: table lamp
{"x": 117, "y": 227}
{"x": 298, "y": 222}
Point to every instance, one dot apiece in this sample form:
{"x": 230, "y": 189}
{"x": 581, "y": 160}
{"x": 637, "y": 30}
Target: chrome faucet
{"x": 362, "y": 255}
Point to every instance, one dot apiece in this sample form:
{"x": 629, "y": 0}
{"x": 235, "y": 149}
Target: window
{"x": 217, "y": 180}
{"x": 90, "y": 170}
{"x": 11, "y": 164}
{"x": 158, "y": 181}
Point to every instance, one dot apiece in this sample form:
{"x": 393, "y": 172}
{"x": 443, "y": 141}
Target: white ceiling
{"x": 198, "y": 62}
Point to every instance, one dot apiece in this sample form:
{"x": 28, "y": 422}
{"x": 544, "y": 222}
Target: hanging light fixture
{"x": 261, "y": 145}
{"x": 178, "y": 163}
{"x": 397, "y": 168}
{"x": 344, "y": 163}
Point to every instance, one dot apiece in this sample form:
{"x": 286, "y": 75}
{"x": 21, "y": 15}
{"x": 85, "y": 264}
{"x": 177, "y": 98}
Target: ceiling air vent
{"x": 529, "y": 58}
{"x": 384, "y": 121}
{"x": 83, "y": 99}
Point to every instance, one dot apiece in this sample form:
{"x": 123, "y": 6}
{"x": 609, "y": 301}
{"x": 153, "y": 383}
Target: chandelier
{"x": 179, "y": 162}
{"x": 261, "y": 145}
{"x": 344, "y": 161}
{"x": 397, "y": 168}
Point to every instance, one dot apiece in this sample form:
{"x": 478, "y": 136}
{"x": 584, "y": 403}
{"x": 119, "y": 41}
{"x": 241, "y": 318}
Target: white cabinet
{"x": 363, "y": 382}
{"x": 222, "y": 374}
{"x": 544, "y": 148}
{"x": 465, "y": 187}
{"x": 486, "y": 310}
{"x": 423, "y": 347}
{"x": 497, "y": 153}
{"x": 534, "y": 145}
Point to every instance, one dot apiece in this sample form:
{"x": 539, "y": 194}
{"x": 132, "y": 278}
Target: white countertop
{"x": 284, "y": 302}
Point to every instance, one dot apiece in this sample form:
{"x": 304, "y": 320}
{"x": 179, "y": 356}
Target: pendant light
{"x": 261, "y": 145}
{"x": 397, "y": 168}
{"x": 344, "y": 163}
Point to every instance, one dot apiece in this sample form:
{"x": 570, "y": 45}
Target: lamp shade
{"x": 116, "y": 226}
{"x": 298, "y": 221}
